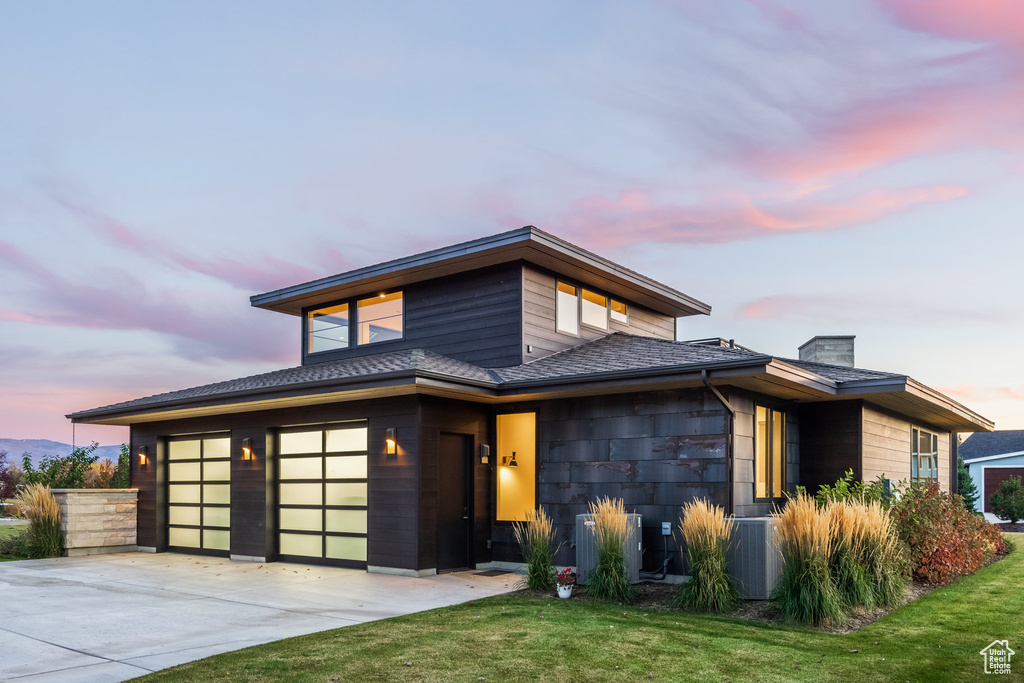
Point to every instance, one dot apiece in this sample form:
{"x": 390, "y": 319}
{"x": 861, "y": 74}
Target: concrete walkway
{"x": 113, "y": 617}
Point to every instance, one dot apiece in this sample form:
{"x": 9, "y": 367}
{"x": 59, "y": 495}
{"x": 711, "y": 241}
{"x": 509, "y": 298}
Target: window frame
{"x": 579, "y": 298}
{"x": 353, "y": 323}
{"x": 770, "y": 454}
{"x": 916, "y": 455}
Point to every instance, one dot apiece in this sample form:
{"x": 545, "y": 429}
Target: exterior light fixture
{"x": 510, "y": 462}
{"x": 247, "y": 449}
{"x": 485, "y": 454}
{"x": 143, "y": 455}
{"x": 391, "y": 441}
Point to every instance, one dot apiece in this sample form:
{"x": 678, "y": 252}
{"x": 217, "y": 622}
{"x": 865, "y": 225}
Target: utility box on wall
{"x": 586, "y": 548}
{"x": 754, "y": 561}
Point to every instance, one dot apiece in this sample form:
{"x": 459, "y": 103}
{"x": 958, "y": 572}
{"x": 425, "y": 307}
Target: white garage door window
{"x": 199, "y": 494}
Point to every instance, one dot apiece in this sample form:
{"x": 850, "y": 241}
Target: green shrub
{"x": 1008, "y": 500}
{"x": 66, "y": 472}
{"x": 15, "y": 546}
{"x": 45, "y": 537}
{"x": 965, "y": 485}
{"x": 534, "y": 537}
{"x": 123, "y": 472}
{"x": 943, "y": 538}
{"x": 707, "y": 533}
{"x": 608, "y": 580}
{"x": 806, "y": 592}
{"x": 846, "y": 489}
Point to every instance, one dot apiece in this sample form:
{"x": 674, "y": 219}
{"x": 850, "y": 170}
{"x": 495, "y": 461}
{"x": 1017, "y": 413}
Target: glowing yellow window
{"x": 517, "y": 466}
{"x": 769, "y": 453}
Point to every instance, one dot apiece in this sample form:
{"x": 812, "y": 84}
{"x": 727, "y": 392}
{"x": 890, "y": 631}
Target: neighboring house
{"x": 443, "y": 395}
{"x": 991, "y": 458}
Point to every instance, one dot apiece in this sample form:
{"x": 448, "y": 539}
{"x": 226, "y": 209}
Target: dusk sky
{"x": 804, "y": 167}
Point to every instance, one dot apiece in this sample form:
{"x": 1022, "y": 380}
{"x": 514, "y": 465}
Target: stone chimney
{"x": 834, "y": 350}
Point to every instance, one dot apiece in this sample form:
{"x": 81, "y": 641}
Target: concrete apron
{"x": 114, "y": 617}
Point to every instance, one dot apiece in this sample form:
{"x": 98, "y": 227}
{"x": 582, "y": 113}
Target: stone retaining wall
{"x": 97, "y": 521}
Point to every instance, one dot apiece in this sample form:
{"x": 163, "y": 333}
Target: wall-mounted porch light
{"x": 143, "y": 455}
{"x": 247, "y": 449}
{"x": 510, "y": 462}
{"x": 391, "y": 441}
{"x": 485, "y": 454}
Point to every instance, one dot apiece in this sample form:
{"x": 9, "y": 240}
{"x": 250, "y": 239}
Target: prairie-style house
{"x": 443, "y": 395}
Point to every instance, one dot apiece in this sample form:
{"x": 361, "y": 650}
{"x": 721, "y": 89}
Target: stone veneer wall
{"x": 97, "y": 521}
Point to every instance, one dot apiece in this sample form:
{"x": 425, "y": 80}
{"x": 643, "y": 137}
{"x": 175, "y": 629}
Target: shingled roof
{"x": 985, "y": 444}
{"x": 613, "y": 354}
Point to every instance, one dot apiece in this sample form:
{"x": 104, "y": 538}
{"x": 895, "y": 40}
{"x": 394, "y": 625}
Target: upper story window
{"x": 575, "y": 305}
{"x": 924, "y": 457}
{"x": 567, "y": 305}
{"x": 376, "y": 319}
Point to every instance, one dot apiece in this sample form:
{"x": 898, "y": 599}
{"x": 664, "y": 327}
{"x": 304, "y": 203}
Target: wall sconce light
{"x": 143, "y": 455}
{"x": 510, "y": 462}
{"x": 391, "y": 441}
{"x": 247, "y": 449}
{"x": 485, "y": 454}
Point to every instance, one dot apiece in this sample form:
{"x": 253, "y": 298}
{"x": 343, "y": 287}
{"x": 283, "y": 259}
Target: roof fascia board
{"x": 992, "y": 457}
{"x": 526, "y": 244}
{"x": 865, "y": 388}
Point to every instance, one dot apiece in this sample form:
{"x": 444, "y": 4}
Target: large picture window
{"x": 924, "y": 457}
{"x": 376, "y": 319}
{"x": 517, "y": 465}
{"x": 567, "y": 309}
{"x": 769, "y": 453}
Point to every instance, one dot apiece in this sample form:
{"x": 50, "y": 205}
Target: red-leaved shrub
{"x": 944, "y": 539}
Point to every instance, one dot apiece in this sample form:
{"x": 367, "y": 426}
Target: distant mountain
{"x": 37, "y": 448}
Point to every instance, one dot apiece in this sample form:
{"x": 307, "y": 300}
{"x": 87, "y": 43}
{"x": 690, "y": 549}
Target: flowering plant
{"x": 566, "y": 577}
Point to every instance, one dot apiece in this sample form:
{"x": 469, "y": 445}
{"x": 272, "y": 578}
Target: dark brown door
{"x": 994, "y": 478}
{"x": 453, "y": 503}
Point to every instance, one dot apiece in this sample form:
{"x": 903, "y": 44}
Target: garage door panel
{"x": 994, "y": 478}
{"x": 198, "y": 511}
{"x": 336, "y": 458}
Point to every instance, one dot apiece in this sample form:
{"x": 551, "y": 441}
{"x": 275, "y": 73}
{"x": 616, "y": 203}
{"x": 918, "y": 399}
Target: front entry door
{"x": 453, "y": 502}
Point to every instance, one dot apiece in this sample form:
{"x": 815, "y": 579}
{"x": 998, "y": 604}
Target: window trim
{"x": 915, "y": 456}
{"x": 353, "y": 323}
{"x": 770, "y": 454}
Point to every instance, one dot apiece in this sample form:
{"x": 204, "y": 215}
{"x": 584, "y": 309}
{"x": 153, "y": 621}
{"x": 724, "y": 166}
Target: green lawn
{"x": 516, "y": 638}
{"x": 9, "y": 531}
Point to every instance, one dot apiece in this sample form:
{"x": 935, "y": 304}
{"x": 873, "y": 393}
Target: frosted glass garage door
{"x": 322, "y": 476}
{"x": 199, "y": 495}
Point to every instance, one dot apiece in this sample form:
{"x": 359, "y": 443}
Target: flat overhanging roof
{"x": 525, "y": 244}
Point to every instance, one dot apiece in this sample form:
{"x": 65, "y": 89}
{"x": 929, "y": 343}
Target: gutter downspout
{"x": 730, "y": 428}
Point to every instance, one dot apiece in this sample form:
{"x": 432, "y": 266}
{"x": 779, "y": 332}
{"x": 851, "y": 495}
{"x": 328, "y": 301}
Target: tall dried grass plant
{"x": 609, "y": 580}
{"x": 882, "y": 556}
{"x": 706, "y": 531}
{"x": 534, "y": 537}
{"x": 37, "y": 504}
{"x": 806, "y": 591}
{"x": 848, "y": 522}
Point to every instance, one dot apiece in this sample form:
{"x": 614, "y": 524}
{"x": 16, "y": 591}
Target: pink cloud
{"x": 973, "y": 20}
{"x": 636, "y": 217}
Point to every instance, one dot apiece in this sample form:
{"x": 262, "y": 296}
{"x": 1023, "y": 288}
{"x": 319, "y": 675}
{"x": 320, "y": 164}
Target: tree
{"x": 6, "y": 486}
{"x": 1008, "y": 501}
{"x": 61, "y": 473}
{"x": 966, "y": 486}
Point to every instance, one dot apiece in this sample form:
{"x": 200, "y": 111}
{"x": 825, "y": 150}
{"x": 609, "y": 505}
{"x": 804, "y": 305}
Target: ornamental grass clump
{"x": 707, "y": 533}
{"x": 848, "y": 522}
{"x": 37, "y": 504}
{"x": 534, "y": 537}
{"x": 608, "y": 580}
{"x": 805, "y": 592}
{"x": 881, "y": 555}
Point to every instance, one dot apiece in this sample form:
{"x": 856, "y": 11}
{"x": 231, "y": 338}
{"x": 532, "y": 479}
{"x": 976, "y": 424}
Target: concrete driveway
{"x": 113, "y": 617}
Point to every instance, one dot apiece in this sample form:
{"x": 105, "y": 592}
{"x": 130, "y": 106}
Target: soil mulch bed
{"x": 1011, "y": 528}
{"x": 659, "y": 596}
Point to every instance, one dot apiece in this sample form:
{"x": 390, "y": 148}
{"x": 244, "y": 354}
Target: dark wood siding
{"x": 454, "y": 417}
{"x": 539, "y": 318}
{"x": 654, "y": 450}
{"x": 393, "y": 538}
{"x": 744, "y": 403}
{"x": 830, "y": 442}
{"x": 475, "y": 317}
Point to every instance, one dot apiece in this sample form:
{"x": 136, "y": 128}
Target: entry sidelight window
{"x": 517, "y": 466}
{"x": 769, "y": 453}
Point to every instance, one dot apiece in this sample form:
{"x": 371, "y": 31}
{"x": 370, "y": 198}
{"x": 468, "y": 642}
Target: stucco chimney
{"x": 834, "y": 350}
